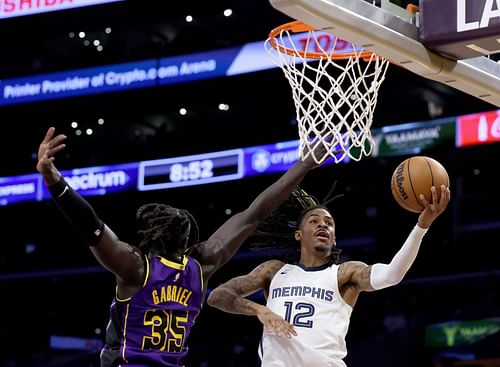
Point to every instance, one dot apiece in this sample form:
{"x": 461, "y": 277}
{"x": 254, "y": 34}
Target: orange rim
{"x": 299, "y": 27}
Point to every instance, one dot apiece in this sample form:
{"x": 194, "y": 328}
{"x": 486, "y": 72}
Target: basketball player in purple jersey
{"x": 309, "y": 301}
{"x": 160, "y": 288}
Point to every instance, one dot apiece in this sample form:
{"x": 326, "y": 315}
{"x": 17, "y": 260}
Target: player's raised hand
{"x": 434, "y": 208}
{"x": 48, "y": 148}
{"x": 276, "y": 324}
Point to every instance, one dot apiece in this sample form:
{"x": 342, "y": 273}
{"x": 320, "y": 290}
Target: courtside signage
{"x": 411, "y": 138}
{"x": 186, "y": 68}
{"x": 17, "y": 8}
{"x": 237, "y": 164}
{"x": 110, "y": 78}
{"x": 76, "y": 83}
{"x": 275, "y": 158}
{"x": 251, "y": 57}
{"x": 17, "y": 189}
{"x": 271, "y": 158}
{"x": 86, "y": 181}
{"x": 99, "y": 180}
{"x": 479, "y": 128}
{"x": 460, "y": 332}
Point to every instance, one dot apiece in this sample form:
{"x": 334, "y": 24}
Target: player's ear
{"x": 298, "y": 235}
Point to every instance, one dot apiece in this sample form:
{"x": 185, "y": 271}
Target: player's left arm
{"x": 125, "y": 261}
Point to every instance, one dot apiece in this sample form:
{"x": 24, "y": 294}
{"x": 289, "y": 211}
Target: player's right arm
{"x": 230, "y": 297}
{"x": 118, "y": 257}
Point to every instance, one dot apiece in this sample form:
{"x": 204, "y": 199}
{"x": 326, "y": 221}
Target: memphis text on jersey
{"x": 303, "y": 291}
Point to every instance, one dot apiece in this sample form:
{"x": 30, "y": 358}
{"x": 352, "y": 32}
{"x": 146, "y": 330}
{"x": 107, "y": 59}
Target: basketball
{"x": 415, "y": 176}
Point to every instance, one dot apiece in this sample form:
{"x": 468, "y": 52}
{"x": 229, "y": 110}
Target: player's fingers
{"x": 280, "y": 328}
{"x": 56, "y": 141}
{"x": 269, "y": 326}
{"x": 434, "y": 194}
{"x": 445, "y": 192}
{"x": 423, "y": 200}
{"x": 434, "y": 200}
{"x": 286, "y": 328}
{"x": 283, "y": 329}
{"x": 275, "y": 326}
{"x": 56, "y": 149}
{"x": 287, "y": 333}
{"x": 290, "y": 330}
{"x": 445, "y": 196}
{"x": 48, "y": 135}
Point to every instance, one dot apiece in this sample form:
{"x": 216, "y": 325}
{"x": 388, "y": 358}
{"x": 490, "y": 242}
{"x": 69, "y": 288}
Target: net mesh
{"x": 334, "y": 93}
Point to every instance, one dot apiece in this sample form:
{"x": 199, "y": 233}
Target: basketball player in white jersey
{"x": 309, "y": 303}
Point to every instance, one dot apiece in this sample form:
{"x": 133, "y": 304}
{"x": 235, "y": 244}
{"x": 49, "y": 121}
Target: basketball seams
{"x": 430, "y": 169}
{"x": 433, "y": 164}
{"x": 421, "y": 207}
{"x": 432, "y": 173}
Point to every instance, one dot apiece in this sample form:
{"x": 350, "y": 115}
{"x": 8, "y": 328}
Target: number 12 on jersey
{"x": 300, "y": 314}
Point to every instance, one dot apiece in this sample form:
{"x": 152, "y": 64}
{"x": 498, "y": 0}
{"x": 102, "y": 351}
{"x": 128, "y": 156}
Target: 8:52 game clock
{"x": 191, "y": 170}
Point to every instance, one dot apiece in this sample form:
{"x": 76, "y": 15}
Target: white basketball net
{"x": 334, "y": 99}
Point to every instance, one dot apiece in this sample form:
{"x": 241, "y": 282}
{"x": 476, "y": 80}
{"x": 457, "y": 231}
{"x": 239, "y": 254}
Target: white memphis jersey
{"x": 310, "y": 300}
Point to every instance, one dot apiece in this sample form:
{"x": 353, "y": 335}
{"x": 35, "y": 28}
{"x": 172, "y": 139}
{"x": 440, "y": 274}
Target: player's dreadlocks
{"x": 164, "y": 229}
{"x": 277, "y": 230}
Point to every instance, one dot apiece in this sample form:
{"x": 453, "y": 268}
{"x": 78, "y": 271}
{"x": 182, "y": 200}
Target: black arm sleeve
{"x": 78, "y": 212}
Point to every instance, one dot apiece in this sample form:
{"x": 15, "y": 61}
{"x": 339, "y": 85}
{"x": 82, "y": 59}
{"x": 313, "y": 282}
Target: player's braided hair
{"x": 164, "y": 229}
{"x": 277, "y": 230}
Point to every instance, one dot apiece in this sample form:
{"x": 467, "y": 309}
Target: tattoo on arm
{"x": 230, "y": 302}
{"x": 230, "y": 296}
{"x": 357, "y": 274}
{"x": 364, "y": 279}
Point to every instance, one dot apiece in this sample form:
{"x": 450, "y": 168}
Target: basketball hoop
{"x": 334, "y": 86}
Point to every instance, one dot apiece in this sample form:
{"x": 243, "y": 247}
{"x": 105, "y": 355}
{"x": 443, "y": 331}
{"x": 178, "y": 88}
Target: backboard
{"x": 390, "y": 31}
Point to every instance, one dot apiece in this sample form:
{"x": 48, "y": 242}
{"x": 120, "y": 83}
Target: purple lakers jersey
{"x": 151, "y": 327}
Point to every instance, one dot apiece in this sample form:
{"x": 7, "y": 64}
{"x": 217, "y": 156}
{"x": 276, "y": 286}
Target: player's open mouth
{"x": 322, "y": 234}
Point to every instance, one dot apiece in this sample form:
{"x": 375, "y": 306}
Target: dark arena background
{"x": 87, "y": 71}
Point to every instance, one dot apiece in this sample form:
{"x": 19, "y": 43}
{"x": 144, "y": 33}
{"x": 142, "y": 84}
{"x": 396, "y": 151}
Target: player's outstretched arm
{"x": 121, "y": 259}
{"x": 356, "y": 276}
{"x": 230, "y": 297}
{"x": 224, "y": 243}
{"x": 386, "y": 275}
